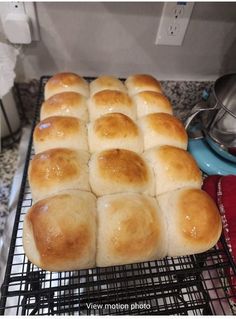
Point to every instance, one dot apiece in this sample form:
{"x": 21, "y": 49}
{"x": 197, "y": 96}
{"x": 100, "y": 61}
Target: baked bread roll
{"x": 60, "y": 131}
{"x": 65, "y": 104}
{"x": 142, "y": 82}
{"x": 163, "y": 129}
{"x": 106, "y": 82}
{"x": 131, "y": 229}
{"x": 118, "y": 170}
{"x": 110, "y": 101}
{"x": 58, "y": 169}
{"x": 149, "y": 102}
{"x": 64, "y": 82}
{"x": 173, "y": 168}
{"x": 114, "y": 130}
{"x": 194, "y": 222}
{"x": 60, "y": 232}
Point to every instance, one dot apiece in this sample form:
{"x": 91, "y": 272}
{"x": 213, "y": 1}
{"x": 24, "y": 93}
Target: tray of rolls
{"x": 111, "y": 180}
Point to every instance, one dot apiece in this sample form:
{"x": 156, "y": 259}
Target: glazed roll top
{"x": 163, "y": 129}
{"x": 60, "y": 232}
{"x": 131, "y": 229}
{"x": 56, "y": 170}
{"x": 106, "y": 82}
{"x": 64, "y": 82}
{"x": 65, "y": 104}
{"x": 111, "y": 101}
{"x": 118, "y": 170}
{"x": 142, "y": 82}
{"x": 149, "y": 102}
{"x": 174, "y": 168}
{"x": 114, "y": 130}
{"x": 194, "y": 223}
{"x": 60, "y": 131}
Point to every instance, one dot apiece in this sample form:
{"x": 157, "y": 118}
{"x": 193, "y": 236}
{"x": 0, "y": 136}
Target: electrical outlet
{"x": 178, "y": 10}
{"x": 174, "y": 22}
{"x": 16, "y": 7}
{"x": 173, "y": 29}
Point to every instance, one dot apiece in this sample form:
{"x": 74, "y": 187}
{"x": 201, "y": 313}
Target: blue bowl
{"x": 216, "y": 147}
{"x": 208, "y": 161}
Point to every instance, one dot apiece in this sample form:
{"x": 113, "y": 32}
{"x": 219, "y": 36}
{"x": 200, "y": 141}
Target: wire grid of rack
{"x": 190, "y": 285}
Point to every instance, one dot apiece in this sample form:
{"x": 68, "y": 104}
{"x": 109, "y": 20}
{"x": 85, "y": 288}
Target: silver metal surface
{"x": 221, "y": 125}
{"x": 198, "y": 108}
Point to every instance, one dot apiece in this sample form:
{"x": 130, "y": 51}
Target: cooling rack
{"x": 190, "y": 285}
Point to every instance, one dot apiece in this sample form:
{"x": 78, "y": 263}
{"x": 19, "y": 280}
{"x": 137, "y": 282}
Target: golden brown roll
{"x": 163, "y": 129}
{"x": 114, "y": 130}
{"x": 148, "y": 102}
{"x": 58, "y": 169}
{"x": 194, "y": 222}
{"x": 64, "y": 82}
{"x": 60, "y": 232}
{"x": 142, "y": 82}
{"x": 65, "y": 104}
{"x": 131, "y": 228}
{"x": 173, "y": 168}
{"x": 118, "y": 170}
{"x": 60, "y": 131}
{"x": 110, "y": 101}
{"x": 106, "y": 82}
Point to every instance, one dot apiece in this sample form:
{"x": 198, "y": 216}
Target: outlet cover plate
{"x": 173, "y": 23}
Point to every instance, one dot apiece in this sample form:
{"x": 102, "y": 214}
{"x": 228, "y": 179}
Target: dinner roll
{"x": 131, "y": 229}
{"x": 194, "y": 223}
{"x": 106, "y": 82}
{"x": 60, "y": 131}
{"x": 163, "y": 129}
{"x": 142, "y": 82}
{"x": 149, "y": 102}
{"x": 173, "y": 168}
{"x": 110, "y": 101}
{"x": 58, "y": 169}
{"x": 118, "y": 170}
{"x": 114, "y": 130}
{"x": 65, "y": 104}
{"x": 64, "y": 82}
{"x": 59, "y": 232}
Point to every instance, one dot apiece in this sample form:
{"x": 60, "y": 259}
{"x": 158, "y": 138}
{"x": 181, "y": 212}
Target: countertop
{"x": 182, "y": 94}
{"x": 27, "y": 95}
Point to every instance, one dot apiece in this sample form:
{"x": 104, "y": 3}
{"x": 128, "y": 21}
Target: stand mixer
{"x": 213, "y": 134}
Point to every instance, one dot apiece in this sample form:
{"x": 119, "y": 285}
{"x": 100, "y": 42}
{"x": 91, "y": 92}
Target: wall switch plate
{"x": 174, "y": 22}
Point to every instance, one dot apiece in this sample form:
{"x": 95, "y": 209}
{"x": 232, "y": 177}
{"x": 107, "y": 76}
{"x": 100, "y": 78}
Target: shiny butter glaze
{"x": 56, "y": 127}
{"x": 178, "y": 164}
{"x": 198, "y": 217}
{"x": 111, "y": 98}
{"x": 115, "y": 125}
{"x": 123, "y": 166}
{"x": 65, "y": 80}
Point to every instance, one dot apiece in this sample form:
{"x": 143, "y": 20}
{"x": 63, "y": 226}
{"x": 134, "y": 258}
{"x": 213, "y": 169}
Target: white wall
{"x": 118, "y": 38}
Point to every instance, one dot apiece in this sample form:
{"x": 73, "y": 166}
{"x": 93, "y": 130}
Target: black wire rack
{"x": 190, "y": 285}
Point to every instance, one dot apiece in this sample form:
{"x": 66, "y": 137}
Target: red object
{"x": 223, "y": 191}
{"x": 210, "y": 185}
{"x": 226, "y": 201}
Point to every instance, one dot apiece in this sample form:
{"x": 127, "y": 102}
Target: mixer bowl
{"x": 220, "y": 150}
{"x": 220, "y": 127}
